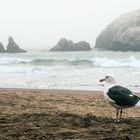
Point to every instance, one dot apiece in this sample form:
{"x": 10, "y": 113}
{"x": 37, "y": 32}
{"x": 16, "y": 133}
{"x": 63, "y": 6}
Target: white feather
{"x": 138, "y": 103}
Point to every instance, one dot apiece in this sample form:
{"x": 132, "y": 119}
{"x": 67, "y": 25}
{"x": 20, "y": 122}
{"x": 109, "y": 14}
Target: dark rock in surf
{"x": 63, "y": 45}
{"x": 12, "y": 47}
{"x": 68, "y": 45}
{"x": 82, "y": 46}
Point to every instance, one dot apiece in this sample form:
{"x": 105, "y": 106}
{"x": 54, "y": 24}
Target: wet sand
{"x": 27, "y": 114}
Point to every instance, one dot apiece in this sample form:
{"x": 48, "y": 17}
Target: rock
{"x": 123, "y": 34}
{"x": 2, "y": 50}
{"x": 68, "y": 45}
{"x": 12, "y": 47}
{"x": 82, "y": 46}
{"x": 63, "y": 45}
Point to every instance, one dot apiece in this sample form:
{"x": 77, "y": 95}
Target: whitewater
{"x": 41, "y": 69}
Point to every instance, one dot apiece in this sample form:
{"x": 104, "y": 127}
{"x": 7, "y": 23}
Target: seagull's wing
{"x": 122, "y": 96}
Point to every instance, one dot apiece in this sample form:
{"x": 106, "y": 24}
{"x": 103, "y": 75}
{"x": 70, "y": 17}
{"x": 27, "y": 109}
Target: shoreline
{"x": 43, "y": 89}
{"x": 48, "y": 89}
{"x": 60, "y": 90}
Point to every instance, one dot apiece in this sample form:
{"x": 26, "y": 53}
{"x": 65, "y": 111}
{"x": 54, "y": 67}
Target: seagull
{"x": 118, "y": 96}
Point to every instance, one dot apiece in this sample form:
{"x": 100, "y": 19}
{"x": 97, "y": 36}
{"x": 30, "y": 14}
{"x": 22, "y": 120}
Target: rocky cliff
{"x": 123, "y": 34}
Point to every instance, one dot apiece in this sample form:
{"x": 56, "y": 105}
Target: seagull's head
{"x": 109, "y": 79}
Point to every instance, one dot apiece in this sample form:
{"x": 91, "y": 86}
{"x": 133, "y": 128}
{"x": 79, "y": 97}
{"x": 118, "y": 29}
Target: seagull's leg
{"x": 120, "y": 114}
{"x": 117, "y": 114}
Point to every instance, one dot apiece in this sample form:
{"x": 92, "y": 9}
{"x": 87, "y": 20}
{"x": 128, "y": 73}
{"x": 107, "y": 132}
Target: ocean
{"x": 41, "y": 69}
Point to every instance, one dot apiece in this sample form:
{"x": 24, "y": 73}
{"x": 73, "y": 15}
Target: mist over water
{"x": 69, "y": 70}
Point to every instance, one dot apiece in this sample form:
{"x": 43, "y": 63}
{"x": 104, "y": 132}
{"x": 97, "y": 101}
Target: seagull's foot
{"x": 115, "y": 120}
{"x": 118, "y": 120}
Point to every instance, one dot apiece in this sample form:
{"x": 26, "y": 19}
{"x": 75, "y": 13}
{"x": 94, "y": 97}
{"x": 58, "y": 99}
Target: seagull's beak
{"x": 101, "y": 80}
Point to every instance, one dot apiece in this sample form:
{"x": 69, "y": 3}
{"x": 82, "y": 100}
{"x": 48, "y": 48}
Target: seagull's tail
{"x": 138, "y": 103}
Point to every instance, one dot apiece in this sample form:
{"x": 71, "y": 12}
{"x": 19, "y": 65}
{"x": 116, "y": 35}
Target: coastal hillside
{"x": 123, "y": 34}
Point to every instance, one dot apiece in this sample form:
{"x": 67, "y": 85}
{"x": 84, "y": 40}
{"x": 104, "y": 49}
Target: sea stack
{"x": 2, "y": 50}
{"x": 82, "y": 46}
{"x": 68, "y": 45}
{"x": 123, "y": 34}
{"x": 12, "y": 47}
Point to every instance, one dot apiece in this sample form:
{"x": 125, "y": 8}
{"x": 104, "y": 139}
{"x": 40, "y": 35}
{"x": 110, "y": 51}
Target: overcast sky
{"x": 41, "y": 23}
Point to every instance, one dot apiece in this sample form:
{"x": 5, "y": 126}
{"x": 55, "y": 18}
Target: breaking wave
{"x": 60, "y": 62}
{"x": 94, "y": 62}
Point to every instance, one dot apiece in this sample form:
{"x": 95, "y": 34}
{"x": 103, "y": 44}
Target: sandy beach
{"x": 27, "y": 114}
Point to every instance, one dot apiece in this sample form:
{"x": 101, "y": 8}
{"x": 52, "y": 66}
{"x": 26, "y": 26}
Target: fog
{"x": 41, "y": 23}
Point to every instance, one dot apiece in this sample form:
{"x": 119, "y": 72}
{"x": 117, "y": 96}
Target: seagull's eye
{"x": 106, "y": 77}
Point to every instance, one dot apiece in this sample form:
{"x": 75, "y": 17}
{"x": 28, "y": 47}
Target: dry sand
{"x": 57, "y": 114}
